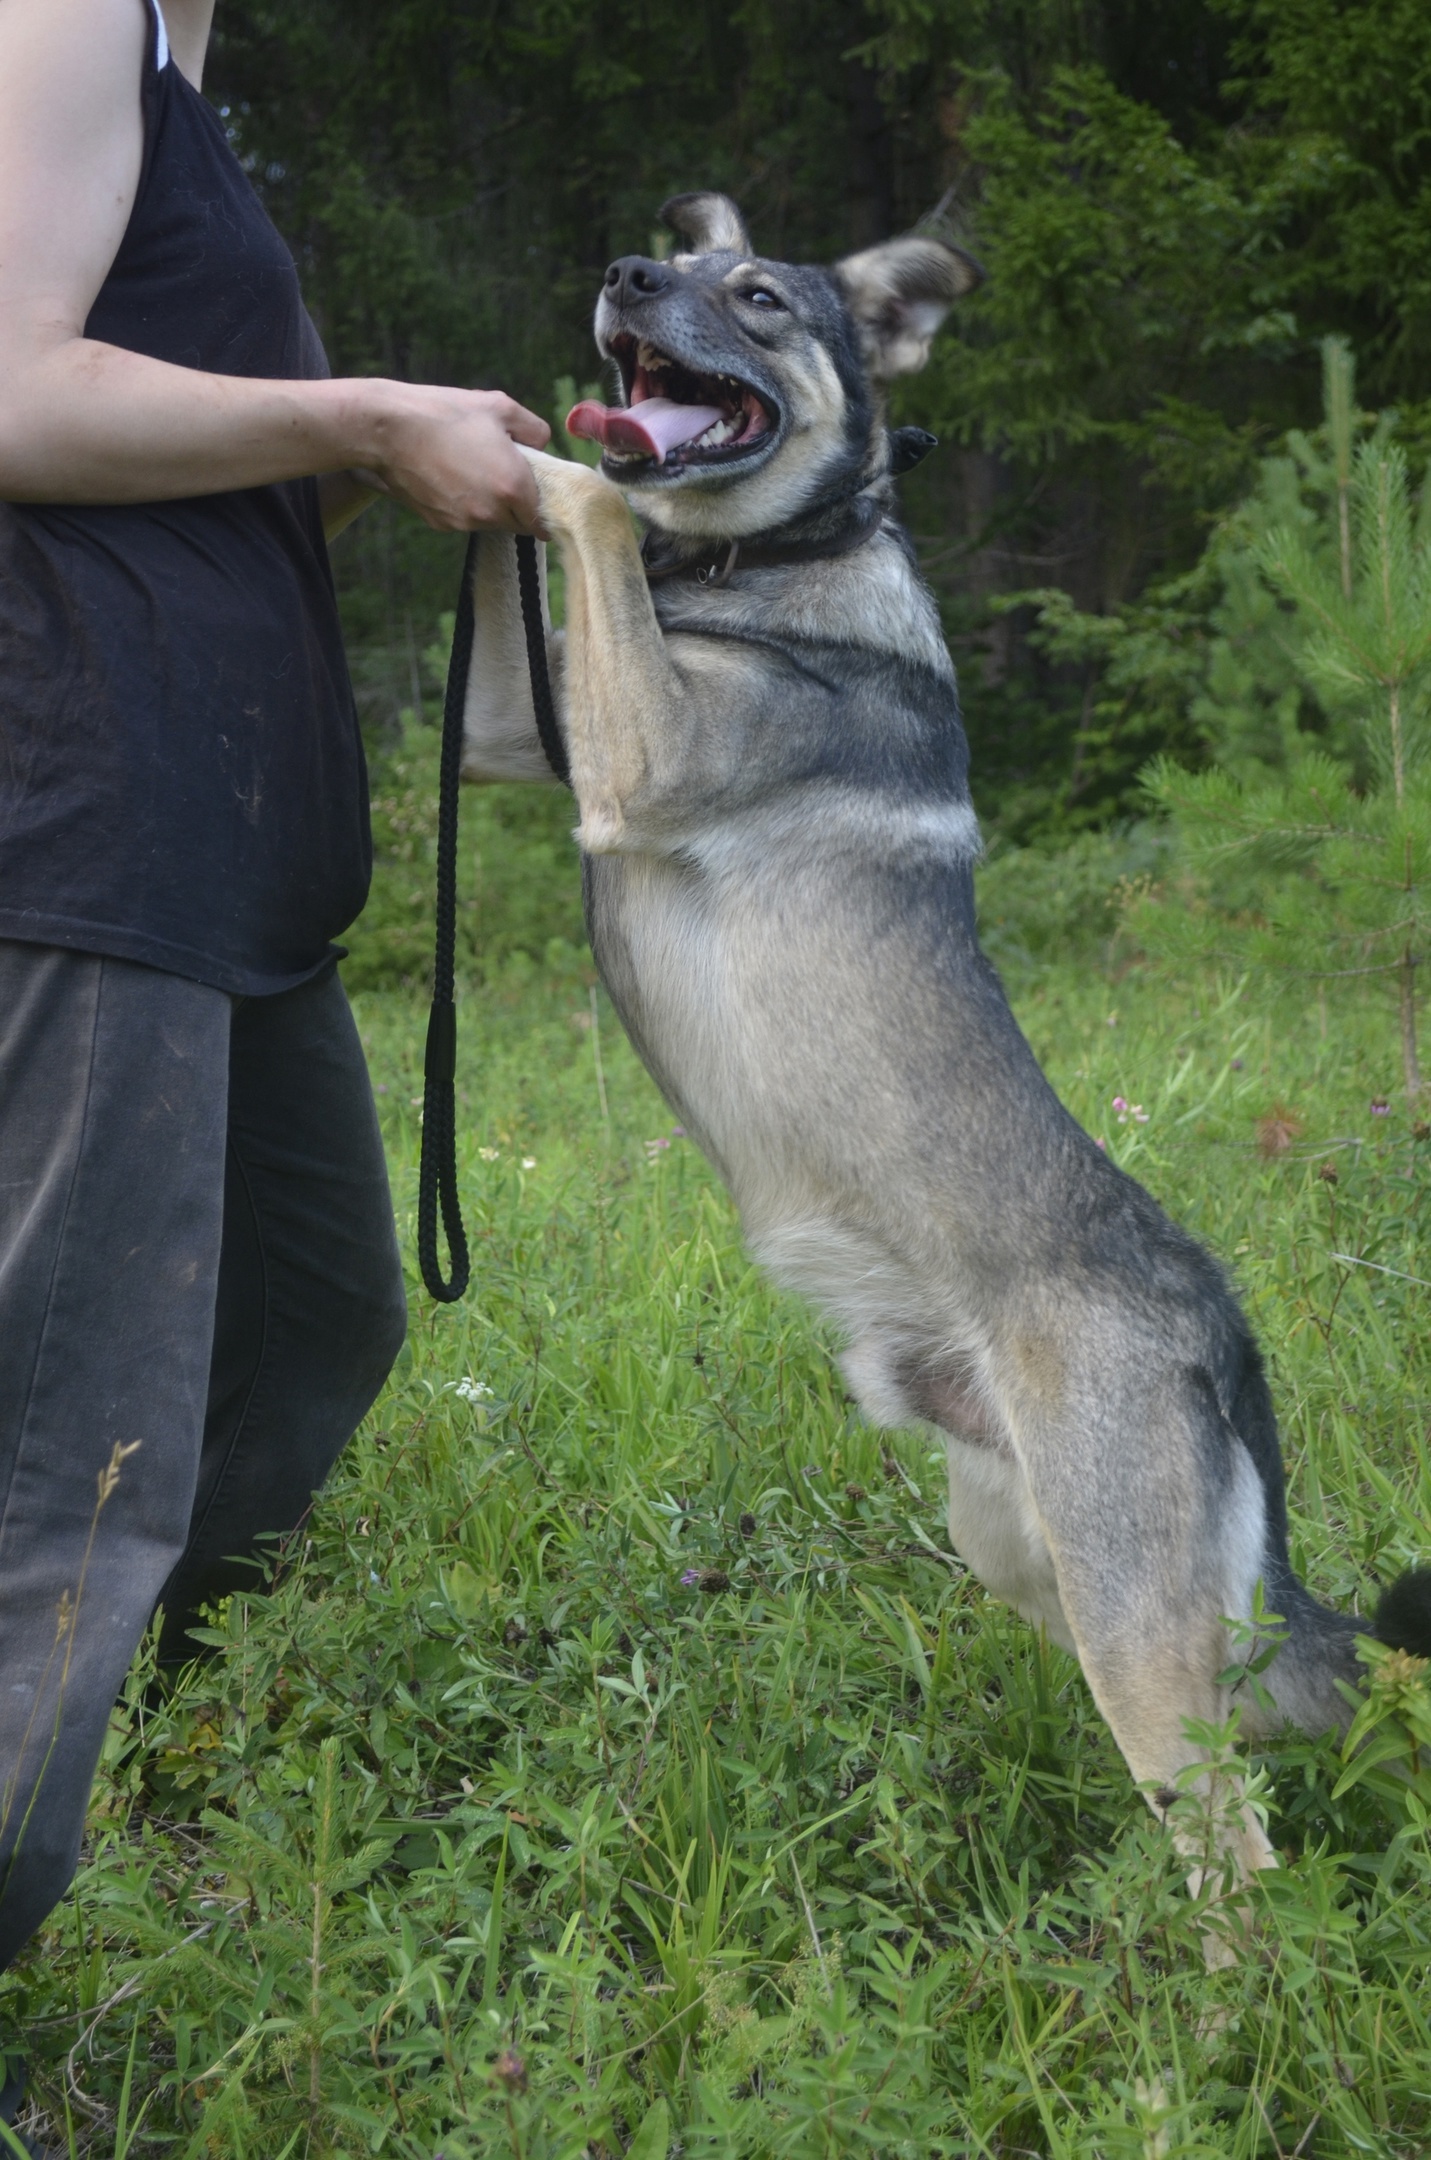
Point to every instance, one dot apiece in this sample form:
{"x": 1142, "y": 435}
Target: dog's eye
{"x": 764, "y": 299}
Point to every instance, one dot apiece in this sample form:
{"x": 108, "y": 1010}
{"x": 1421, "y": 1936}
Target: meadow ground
{"x": 622, "y": 1762}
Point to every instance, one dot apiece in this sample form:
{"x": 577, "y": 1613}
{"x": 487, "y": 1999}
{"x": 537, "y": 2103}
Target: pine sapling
{"x": 1316, "y": 875}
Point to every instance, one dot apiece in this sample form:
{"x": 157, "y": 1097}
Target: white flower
{"x": 490, "y": 1154}
{"x": 473, "y": 1390}
{"x": 529, "y": 1162}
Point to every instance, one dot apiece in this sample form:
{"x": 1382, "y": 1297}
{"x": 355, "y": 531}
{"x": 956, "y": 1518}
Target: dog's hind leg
{"x": 994, "y": 1527}
{"x": 993, "y": 1524}
{"x": 1154, "y": 1516}
{"x": 1121, "y": 1513}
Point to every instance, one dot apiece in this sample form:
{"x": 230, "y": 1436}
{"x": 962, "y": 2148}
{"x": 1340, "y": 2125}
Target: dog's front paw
{"x": 569, "y": 493}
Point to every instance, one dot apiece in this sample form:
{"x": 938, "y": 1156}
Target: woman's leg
{"x": 113, "y": 1083}
{"x": 311, "y": 1312}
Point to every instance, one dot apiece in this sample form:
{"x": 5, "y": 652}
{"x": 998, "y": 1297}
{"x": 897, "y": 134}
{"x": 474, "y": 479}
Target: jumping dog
{"x": 778, "y": 844}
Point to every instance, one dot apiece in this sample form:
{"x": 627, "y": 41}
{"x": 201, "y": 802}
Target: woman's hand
{"x": 450, "y": 455}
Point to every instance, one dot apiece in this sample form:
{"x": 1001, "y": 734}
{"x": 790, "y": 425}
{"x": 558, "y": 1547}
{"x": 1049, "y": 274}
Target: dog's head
{"x": 787, "y": 360}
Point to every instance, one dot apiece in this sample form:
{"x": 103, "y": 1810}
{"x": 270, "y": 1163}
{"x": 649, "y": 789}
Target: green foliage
{"x": 1037, "y": 905}
{"x": 1227, "y": 662}
{"x": 622, "y": 1763}
{"x": 1302, "y": 870}
{"x": 1123, "y": 313}
{"x": 1348, "y": 90}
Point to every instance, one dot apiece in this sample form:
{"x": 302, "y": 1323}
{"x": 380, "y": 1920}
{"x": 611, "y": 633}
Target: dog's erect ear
{"x": 899, "y": 293}
{"x": 710, "y": 224}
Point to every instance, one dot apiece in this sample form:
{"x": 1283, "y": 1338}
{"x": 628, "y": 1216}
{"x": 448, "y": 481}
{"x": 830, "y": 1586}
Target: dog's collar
{"x": 764, "y": 551}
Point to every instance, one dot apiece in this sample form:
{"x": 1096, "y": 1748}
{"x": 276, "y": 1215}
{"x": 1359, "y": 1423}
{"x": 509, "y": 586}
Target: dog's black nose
{"x": 635, "y": 277}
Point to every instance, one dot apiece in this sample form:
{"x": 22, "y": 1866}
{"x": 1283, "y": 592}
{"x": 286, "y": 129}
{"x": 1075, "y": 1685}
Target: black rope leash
{"x": 437, "y": 1171}
{"x": 530, "y": 585}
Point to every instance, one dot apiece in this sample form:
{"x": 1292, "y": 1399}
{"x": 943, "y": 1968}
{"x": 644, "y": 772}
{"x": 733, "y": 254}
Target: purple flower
{"x": 1103, "y": 1144}
{"x": 678, "y": 1132}
{"x": 1380, "y": 1107}
{"x": 1236, "y": 1065}
{"x": 691, "y": 1577}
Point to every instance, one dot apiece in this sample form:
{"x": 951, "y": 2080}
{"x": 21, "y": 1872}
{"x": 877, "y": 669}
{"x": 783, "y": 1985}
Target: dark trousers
{"x": 200, "y": 1296}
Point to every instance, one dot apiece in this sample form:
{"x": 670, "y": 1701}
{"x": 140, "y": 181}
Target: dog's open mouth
{"x": 673, "y": 416}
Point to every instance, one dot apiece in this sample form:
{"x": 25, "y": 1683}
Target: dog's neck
{"x": 825, "y": 530}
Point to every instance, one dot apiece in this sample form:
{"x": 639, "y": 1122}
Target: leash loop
{"x": 437, "y": 1167}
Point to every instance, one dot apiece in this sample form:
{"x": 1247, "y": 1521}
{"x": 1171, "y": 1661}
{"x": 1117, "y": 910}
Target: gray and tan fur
{"x": 778, "y": 846}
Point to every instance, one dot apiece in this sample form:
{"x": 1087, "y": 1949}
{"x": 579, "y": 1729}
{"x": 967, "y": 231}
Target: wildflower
{"x": 529, "y": 1162}
{"x": 1103, "y": 1144}
{"x": 1380, "y": 1107}
{"x": 1277, "y": 1131}
{"x": 678, "y": 1132}
{"x": 490, "y": 1154}
{"x": 1399, "y": 1671}
{"x": 1126, "y": 1110}
{"x": 656, "y": 1147}
{"x": 690, "y": 1578}
{"x": 1234, "y": 1065}
{"x": 472, "y": 1390}
{"x": 747, "y": 1525}
{"x": 383, "y": 1088}
{"x": 856, "y": 1493}
{"x": 509, "y": 2070}
{"x": 1329, "y": 1174}
{"x": 714, "y": 1579}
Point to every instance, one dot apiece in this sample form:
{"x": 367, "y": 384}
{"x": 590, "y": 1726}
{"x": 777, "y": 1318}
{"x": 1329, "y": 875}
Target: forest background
{"x": 1174, "y": 205}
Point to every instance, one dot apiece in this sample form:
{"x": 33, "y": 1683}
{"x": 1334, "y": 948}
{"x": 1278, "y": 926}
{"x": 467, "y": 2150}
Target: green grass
{"x": 621, "y": 1762}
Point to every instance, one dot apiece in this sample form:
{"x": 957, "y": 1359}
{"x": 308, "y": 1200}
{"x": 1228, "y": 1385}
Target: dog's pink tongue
{"x": 651, "y": 428}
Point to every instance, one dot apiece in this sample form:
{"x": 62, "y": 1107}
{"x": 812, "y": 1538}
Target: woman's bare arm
{"x": 84, "y": 422}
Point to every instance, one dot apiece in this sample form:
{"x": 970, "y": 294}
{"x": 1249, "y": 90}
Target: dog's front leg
{"x": 499, "y": 727}
{"x": 626, "y": 716}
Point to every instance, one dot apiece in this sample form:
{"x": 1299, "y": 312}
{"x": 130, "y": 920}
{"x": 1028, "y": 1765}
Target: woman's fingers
{"x": 526, "y": 427}
{"x": 452, "y": 456}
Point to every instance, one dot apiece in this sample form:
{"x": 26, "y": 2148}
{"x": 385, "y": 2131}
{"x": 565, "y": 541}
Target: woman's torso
{"x": 181, "y": 775}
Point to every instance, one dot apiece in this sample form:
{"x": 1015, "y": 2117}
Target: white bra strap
{"x": 162, "y": 49}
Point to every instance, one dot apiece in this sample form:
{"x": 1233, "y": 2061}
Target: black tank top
{"x": 181, "y": 775}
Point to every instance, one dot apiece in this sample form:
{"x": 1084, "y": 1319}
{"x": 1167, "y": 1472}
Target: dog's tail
{"x": 1403, "y": 1617}
{"x": 1319, "y": 1646}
